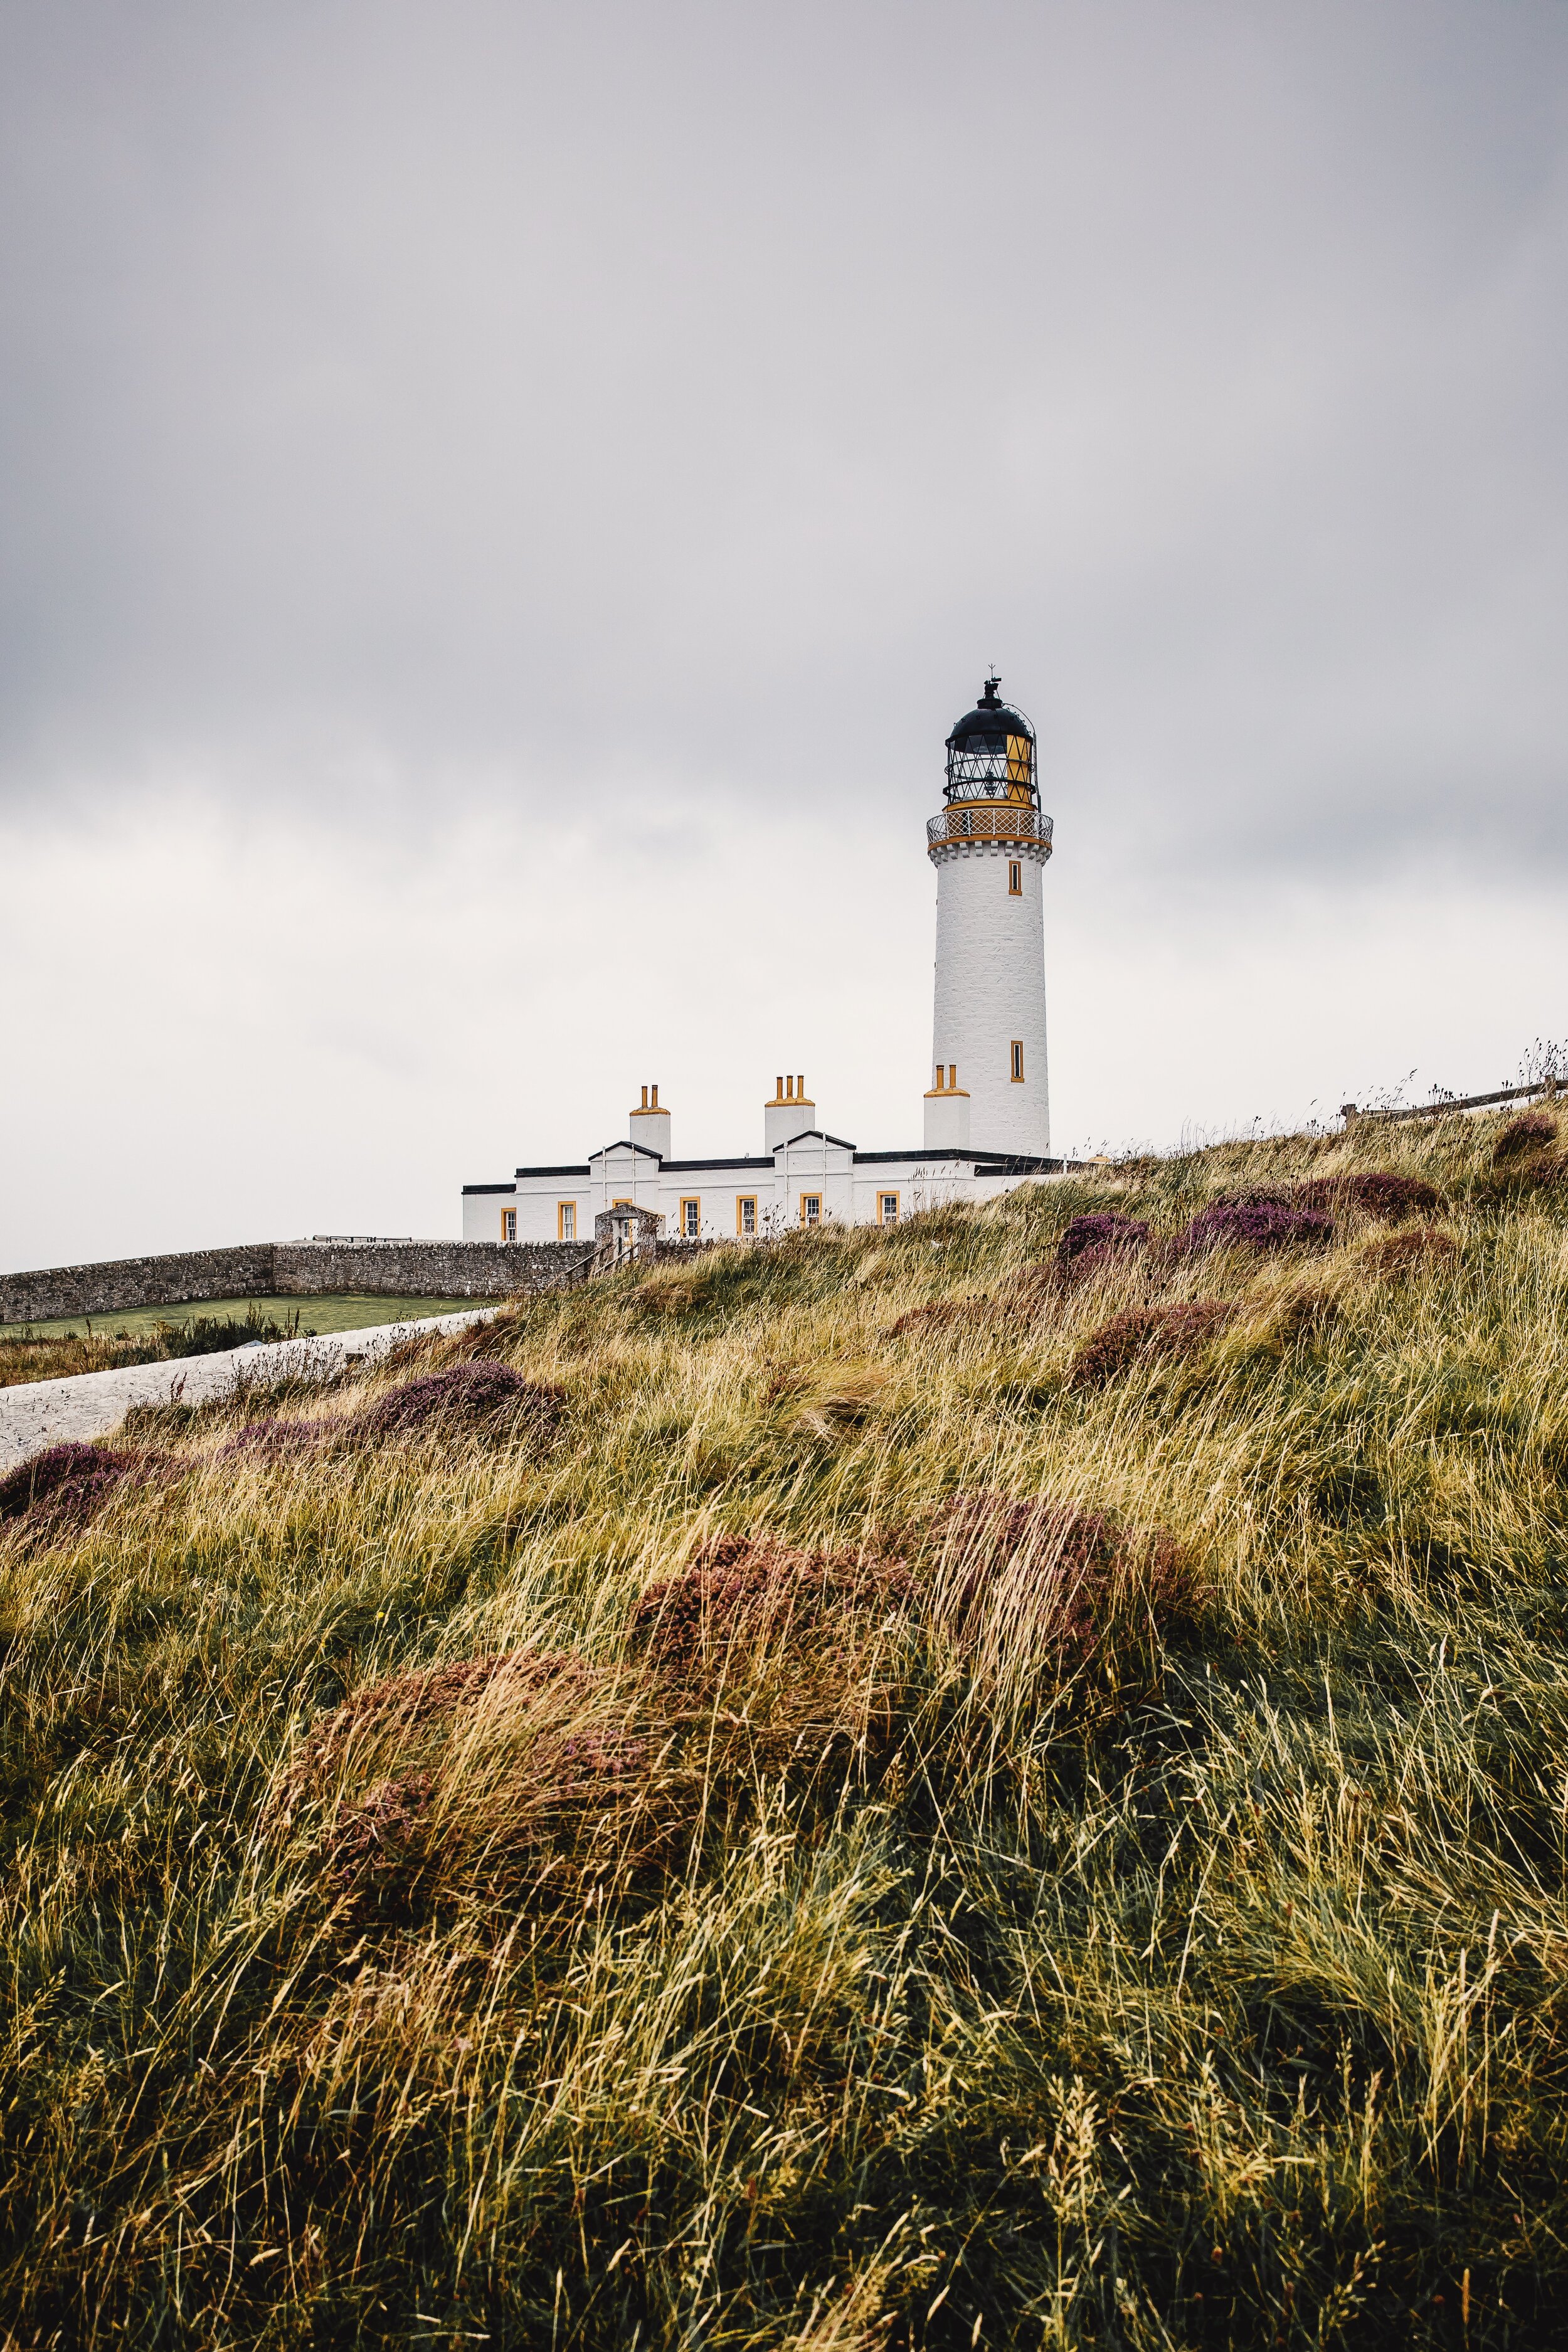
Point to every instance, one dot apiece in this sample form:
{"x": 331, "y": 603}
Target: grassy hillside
{"x": 1001, "y": 1782}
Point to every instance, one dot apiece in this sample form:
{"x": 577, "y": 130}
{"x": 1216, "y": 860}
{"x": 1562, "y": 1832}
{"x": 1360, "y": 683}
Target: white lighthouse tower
{"x": 989, "y": 846}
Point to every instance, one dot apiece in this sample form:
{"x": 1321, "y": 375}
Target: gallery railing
{"x": 998, "y": 821}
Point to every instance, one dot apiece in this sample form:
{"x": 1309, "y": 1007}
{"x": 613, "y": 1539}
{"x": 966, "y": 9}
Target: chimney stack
{"x": 649, "y": 1126}
{"x": 790, "y": 1113}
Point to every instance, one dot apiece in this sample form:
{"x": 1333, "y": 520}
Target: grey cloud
{"x": 403, "y": 406}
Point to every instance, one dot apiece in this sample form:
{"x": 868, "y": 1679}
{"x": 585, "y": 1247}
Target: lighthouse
{"x": 987, "y": 1110}
{"x": 989, "y": 1090}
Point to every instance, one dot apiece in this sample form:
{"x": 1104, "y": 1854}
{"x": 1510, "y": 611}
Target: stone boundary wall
{"x": 292, "y": 1270}
{"x": 425, "y": 1269}
{"x": 182, "y": 1279}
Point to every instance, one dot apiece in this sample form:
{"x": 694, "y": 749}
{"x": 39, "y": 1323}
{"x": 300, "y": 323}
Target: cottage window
{"x": 691, "y": 1220}
{"x": 811, "y": 1208}
{"x": 887, "y": 1208}
{"x": 566, "y": 1219}
{"x": 509, "y": 1225}
{"x": 746, "y": 1213}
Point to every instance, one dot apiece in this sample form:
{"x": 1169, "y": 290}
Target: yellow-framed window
{"x": 887, "y": 1208}
{"x": 690, "y": 1219}
{"x": 1017, "y": 1061}
{"x": 811, "y": 1208}
{"x": 746, "y": 1212}
{"x": 566, "y": 1221}
{"x": 509, "y": 1225}
{"x": 1015, "y": 877}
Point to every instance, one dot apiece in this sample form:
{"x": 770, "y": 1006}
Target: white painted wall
{"x": 651, "y": 1129}
{"x": 813, "y": 1164}
{"x": 991, "y": 988}
{"x": 482, "y": 1218}
{"x": 780, "y": 1120}
{"x": 947, "y": 1120}
{"x": 850, "y": 1194}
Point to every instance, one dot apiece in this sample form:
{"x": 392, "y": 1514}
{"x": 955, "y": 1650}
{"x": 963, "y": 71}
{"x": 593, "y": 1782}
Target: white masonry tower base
{"x": 989, "y": 1088}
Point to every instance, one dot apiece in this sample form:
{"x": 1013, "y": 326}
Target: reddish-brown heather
{"x": 1393, "y": 1256}
{"x": 1533, "y": 1131}
{"x": 482, "y": 1398}
{"x": 939, "y": 1316}
{"x": 1142, "y": 1334}
{"x": 744, "y": 1596}
{"x": 1079, "y": 1578}
{"x": 66, "y": 1486}
{"x": 1379, "y": 1192}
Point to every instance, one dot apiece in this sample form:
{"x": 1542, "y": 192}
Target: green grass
{"x": 341, "y": 1311}
{"x": 939, "y": 1924}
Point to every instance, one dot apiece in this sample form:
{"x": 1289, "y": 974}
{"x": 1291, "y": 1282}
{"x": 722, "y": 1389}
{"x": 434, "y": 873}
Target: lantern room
{"x": 991, "y": 754}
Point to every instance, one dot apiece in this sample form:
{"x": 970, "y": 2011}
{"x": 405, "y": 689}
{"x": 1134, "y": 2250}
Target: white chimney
{"x": 947, "y": 1111}
{"x": 791, "y": 1112}
{"x": 649, "y": 1126}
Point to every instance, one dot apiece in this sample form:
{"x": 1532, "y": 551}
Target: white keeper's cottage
{"x": 987, "y": 1124}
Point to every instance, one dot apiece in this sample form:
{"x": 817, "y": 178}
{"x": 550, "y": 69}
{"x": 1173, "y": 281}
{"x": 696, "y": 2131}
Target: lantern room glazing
{"x": 991, "y": 755}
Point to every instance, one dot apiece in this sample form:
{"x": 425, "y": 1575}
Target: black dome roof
{"x": 991, "y": 753}
{"x": 990, "y": 717}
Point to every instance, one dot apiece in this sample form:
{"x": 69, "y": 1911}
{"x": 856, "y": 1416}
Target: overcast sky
{"x": 501, "y": 505}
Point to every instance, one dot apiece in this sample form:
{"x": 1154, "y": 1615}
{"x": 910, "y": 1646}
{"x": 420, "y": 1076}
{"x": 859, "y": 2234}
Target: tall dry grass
{"x": 835, "y": 1828}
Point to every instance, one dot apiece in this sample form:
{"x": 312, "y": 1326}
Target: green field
{"x": 340, "y": 1311}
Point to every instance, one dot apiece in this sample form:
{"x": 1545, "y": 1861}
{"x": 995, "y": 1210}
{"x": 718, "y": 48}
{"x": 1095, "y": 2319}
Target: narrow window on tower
{"x": 509, "y": 1225}
{"x": 691, "y": 1220}
{"x": 746, "y": 1213}
{"x": 1017, "y": 1061}
{"x": 1015, "y": 877}
{"x": 566, "y": 1219}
